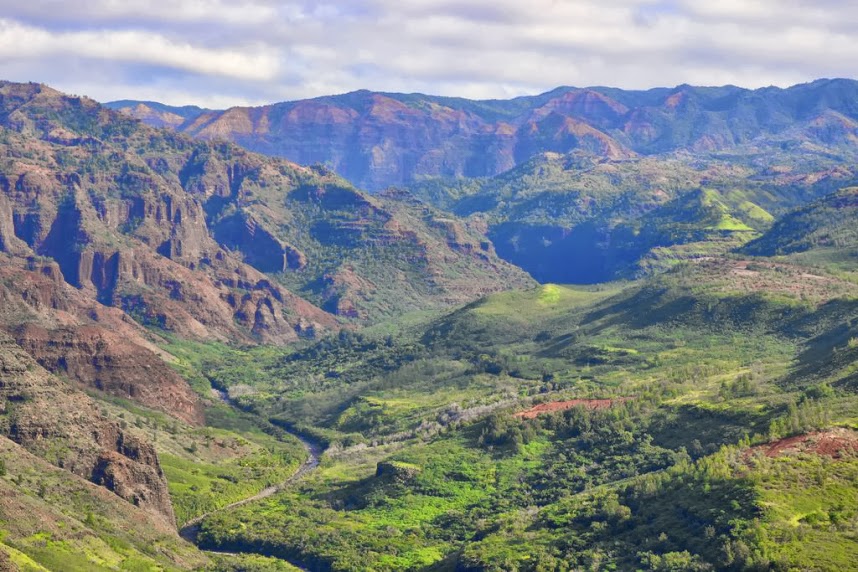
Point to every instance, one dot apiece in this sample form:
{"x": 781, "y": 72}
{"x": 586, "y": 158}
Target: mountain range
{"x": 560, "y": 179}
{"x": 377, "y": 140}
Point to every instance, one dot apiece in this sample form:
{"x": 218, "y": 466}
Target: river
{"x": 191, "y": 529}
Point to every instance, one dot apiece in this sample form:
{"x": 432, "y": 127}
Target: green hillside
{"x": 428, "y": 467}
{"x": 827, "y": 224}
{"x": 576, "y": 218}
{"x": 217, "y": 361}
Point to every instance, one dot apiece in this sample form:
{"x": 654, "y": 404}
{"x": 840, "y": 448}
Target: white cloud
{"x": 18, "y": 41}
{"x": 264, "y": 50}
{"x": 239, "y": 12}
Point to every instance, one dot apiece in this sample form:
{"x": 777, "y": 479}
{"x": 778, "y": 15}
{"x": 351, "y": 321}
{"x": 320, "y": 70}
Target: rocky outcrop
{"x": 260, "y": 247}
{"x": 345, "y": 292}
{"x": 202, "y": 239}
{"x": 152, "y": 256}
{"x": 65, "y": 427}
{"x": 98, "y": 347}
{"x": 397, "y": 471}
{"x": 100, "y": 359}
{"x": 9, "y": 242}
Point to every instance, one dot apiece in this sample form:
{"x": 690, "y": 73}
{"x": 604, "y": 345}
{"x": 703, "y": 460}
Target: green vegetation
{"x": 428, "y": 468}
{"x": 49, "y": 521}
{"x": 582, "y": 219}
{"x": 197, "y": 487}
{"x": 819, "y": 233}
{"x": 236, "y": 456}
{"x": 701, "y": 417}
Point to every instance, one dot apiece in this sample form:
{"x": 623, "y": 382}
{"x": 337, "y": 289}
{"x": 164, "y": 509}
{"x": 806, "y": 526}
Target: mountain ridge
{"x": 114, "y": 235}
{"x": 379, "y": 139}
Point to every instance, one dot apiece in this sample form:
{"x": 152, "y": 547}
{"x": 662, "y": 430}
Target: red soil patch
{"x": 538, "y": 410}
{"x": 834, "y": 443}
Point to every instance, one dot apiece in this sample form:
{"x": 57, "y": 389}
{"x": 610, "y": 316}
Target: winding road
{"x": 191, "y": 529}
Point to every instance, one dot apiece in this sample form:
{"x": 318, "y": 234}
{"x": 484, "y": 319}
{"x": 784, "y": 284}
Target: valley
{"x": 592, "y": 329}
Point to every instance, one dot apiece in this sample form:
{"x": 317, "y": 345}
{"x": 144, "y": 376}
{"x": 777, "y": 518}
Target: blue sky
{"x": 219, "y": 53}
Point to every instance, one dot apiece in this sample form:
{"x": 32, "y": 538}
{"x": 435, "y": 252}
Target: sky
{"x": 220, "y": 53}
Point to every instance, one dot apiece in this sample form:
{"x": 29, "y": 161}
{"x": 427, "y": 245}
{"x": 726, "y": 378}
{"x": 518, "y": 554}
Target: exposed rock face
{"x": 261, "y": 248}
{"x": 9, "y": 242}
{"x": 98, "y": 358}
{"x": 97, "y": 346}
{"x": 377, "y": 140}
{"x": 65, "y": 427}
{"x": 344, "y": 291}
{"x": 202, "y": 239}
{"x": 28, "y": 515}
{"x": 134, "y": 233}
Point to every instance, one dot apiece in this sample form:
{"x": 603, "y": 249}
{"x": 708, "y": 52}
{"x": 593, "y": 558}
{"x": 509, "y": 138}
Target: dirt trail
{"x": 553, "y": 406}
{"x": 191, "y": 529}
{"x": 833, "y": 443}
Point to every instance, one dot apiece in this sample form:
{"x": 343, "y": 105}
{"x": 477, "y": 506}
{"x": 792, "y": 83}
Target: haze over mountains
{"x": 377, "y": 140}
{"x": 560, "y": 177}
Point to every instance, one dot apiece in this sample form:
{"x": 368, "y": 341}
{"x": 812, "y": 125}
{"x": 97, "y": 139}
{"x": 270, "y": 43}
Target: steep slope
{"x": 379, "y": 256}
{"x": 829, "y": 223}
{"x": 379, "y": 139}
{"x": 62, "y": 425}
{"x": 98, "y": 347}
{"x": 199, "y": 238}
{"x": 52, "y": 520}
{"x": 103, "y": 197}
{"x": 574, "y": 218}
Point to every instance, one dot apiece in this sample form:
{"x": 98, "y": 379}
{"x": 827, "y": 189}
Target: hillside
{"x": 203, "y": 345}
{"x": 827, "y": 224}
{"x": 559, "y": 182}
{"x": 576, "y": 219}
{"x": 376, "y": 140}
{"x": 91, "y": 485}
{"x": 203, "y": 239}
{"x": 656, "y": 442}
{"x": 53, "y": 520}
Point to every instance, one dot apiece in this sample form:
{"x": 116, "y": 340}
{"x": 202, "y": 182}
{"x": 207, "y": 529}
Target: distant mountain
{"x": 157, "y": 114}
{"x": 380, "y": 139}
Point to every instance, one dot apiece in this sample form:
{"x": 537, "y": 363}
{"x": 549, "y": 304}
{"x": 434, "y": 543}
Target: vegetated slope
{"x": 65, "y": 427}
{"x": 829, "y": 223}
{"x": 431, "y": 465}
{"x": 81, "y": 490}
{"x": 53, "y": 520}
{"x": 157, "y": 114}
{"x": 380, "y": 139}
{"x": 550, "y": 178}
{"x": 198, "y": 238}
{"x": 575, "y": 219}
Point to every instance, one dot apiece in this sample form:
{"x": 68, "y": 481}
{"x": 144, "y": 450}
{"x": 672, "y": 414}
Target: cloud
{"x": 213, "y": 52}
{"x": 99, "y": 12}
{"x": 18, "y": 41}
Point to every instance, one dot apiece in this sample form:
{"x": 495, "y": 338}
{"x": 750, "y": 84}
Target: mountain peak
{"x": 379, "y": 139}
